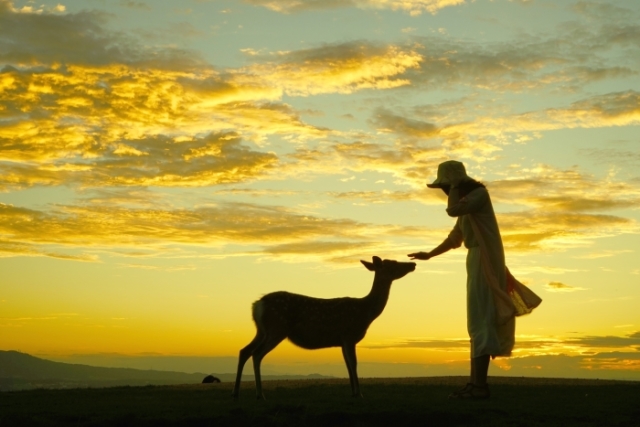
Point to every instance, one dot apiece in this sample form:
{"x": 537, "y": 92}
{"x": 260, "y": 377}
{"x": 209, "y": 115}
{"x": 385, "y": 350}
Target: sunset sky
{"x": 164, "y": 163}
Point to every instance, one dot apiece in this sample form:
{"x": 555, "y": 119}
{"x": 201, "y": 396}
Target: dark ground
{"x": 397, "y": 401}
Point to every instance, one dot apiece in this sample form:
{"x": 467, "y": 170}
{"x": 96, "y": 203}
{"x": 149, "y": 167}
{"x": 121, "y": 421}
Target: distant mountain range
{"x": 21, "y": 371}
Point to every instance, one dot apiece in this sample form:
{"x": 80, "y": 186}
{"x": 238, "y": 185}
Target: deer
{"x": 314, "y": 323}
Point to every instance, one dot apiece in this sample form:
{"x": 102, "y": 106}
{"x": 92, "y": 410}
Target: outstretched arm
{"x": 443, "y": 247}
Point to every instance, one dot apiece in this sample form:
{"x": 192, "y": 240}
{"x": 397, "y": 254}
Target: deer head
{"x": 389, "y": 269}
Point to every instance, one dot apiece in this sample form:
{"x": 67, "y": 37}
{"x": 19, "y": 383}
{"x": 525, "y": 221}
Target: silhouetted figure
{"x": 314, "y": 323}
{"x": 492, "y": 332}
{"x": 210, "y": 379}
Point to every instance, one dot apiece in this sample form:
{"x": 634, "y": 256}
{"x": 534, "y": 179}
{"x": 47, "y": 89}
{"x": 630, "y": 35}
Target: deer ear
{"x": 377, "y": 260}
{"x": 369, "y": 265}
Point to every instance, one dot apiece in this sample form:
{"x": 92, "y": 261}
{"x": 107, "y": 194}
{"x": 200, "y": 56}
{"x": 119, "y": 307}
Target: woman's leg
{"x": 472, "y": 376}
{"x": 477, "y": 388}
{"x": 480, "y": 370}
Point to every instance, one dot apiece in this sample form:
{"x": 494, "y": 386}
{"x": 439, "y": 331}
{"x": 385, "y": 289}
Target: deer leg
{"x": 349, "y": 354}
{"x": 263, "y": 349}
{"x": 245, "y": 354}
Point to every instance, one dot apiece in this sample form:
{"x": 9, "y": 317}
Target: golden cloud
{"x": 336, "y": 252}
{"x": 343, "y": 68}
{"x": 452, "y": 344}
{"x": 569, "y": 190}
{"x": 538, "y": 230}
{"x": 410, "y": 162}
{"x": 105, "y": 112}
{"x": 11, "y": 249}
{"x": 528, "y": 346}
{"x": 563, "y": 208}
{"x": 155, "y": 230}
{"x": 153, "y": 161}
{"x": 72, "y": 111}
{"x": 561, "y": 287}
{"x": 110, "y": 225}
{"x": 484, "y": 135}
{"x": 113, "y": 225}
{"x": 414, "y": 7}
{"x": 386, "y": 121}
{"x": 564, "y": 205}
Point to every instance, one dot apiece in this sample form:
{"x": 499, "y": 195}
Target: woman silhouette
{"x": 477, "y": 228}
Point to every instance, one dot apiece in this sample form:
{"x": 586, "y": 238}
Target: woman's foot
{"x": 472, "y": 391}
{"x": 464, "y": 389}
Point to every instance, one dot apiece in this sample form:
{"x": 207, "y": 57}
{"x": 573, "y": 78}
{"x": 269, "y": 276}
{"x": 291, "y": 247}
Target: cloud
{"x": 112, "y": 112}
{"x": 436, "y": 344}
{"x": 620, "y": 366}
{"x": 620, "y": 156}
{"x": 152, "y": 161}
{"x": 598, "y": 10}
{"x": 258, "y": 192}
{"x": 109, "y": 107}
{"x": 557, "y": 190}
{"x": 10, "y": 248}
{"x": 337, "y": 252}
{"x": 75, "y": 111}
{"x": 545, "y": 269}
{"x": 386, "y": 121}
{"x": 456, "y": 344}
{"x": 449, "y": 132}
{"x": 509, "y": 67}
{"x": 153, "y": 230}
{"x": 538, "y": 230}
{"x": 578, "y": 53}
{"x": 598, "y": 346}
{"x": 563, "y": 208}
{"x": 139, "y": 224}
{"x": 338, "y": 68}
{"x": 614, "y": 361}
{"x": 43, "y": 38}
{"x": 113, "y": 225}
{"x": 561, "y": 287}
{"x": 375, "y": 197}
{"x": 413, "y": 7}
{"x": 611, "y": 109}
{"x": 610, "y": 341}
{"x": 160, "y": 268}
{"x": 8, "y": 6}
{"x": 604, "y": 254}
{"x": 130, "y": 4}
{"x": 412, "y": 163}
{"x": 486, "y": 134}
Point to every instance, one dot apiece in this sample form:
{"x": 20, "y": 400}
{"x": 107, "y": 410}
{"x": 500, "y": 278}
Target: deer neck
{"x": 379, "y": 295}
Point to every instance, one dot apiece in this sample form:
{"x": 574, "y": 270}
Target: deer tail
{"x": 257, "y": 310}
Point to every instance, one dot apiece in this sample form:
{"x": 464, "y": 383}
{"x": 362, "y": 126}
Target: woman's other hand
{"x": 420, "y": 255}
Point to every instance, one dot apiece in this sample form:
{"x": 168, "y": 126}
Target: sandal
{"x": 464, "y": 389}
{"x": 472, "y": 391}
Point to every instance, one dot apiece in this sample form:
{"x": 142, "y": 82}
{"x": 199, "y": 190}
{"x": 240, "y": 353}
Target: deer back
{"x": 316, "y": 322}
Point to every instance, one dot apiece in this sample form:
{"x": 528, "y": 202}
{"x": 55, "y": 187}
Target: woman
{"x": 477, "y": 228}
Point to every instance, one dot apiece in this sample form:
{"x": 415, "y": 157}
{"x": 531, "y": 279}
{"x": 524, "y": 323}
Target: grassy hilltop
{"x": 408, "y": 401}
{"x": 21, "y": 371}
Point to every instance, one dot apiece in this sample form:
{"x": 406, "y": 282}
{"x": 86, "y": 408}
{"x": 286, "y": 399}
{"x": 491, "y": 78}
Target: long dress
{"x": 487, "y": 336}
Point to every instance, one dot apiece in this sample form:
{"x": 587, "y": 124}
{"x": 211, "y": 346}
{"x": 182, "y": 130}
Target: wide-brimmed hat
{"x": 449, "y": 172}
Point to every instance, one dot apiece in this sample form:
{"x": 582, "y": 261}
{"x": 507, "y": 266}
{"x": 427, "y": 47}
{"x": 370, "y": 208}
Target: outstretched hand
{"x": 420, "y": 255}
